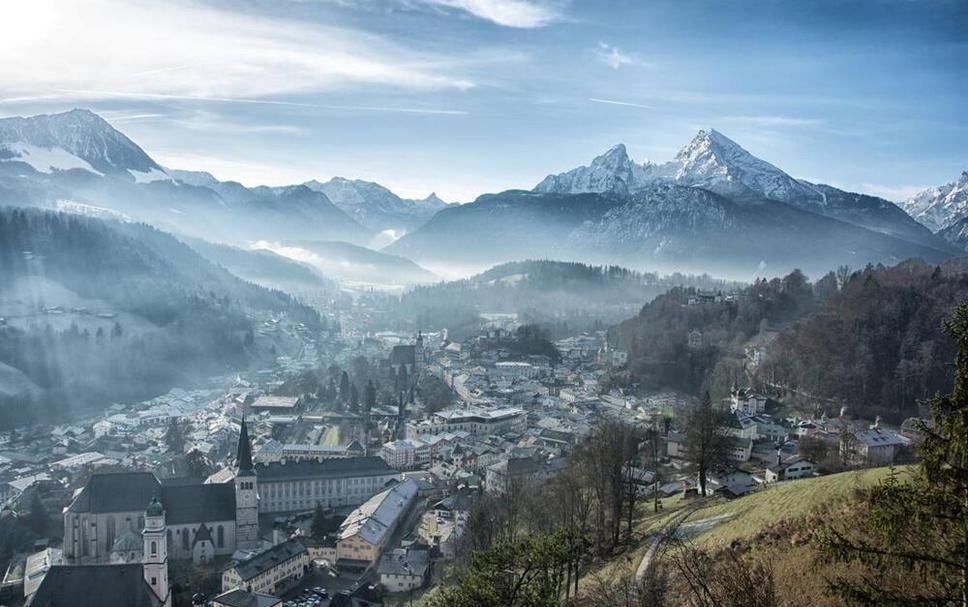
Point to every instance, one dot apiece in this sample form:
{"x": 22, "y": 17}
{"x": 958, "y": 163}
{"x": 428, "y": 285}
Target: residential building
{"x": 365, "y": 532}
{"x": 790, "y": 470}
{"x": 271, "y": 571}
{"x": 404, "y": 569}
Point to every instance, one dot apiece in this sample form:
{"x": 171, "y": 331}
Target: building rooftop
{"x": 377, "y": 515}
{"x": 329, "y": 468}
{"x": 115, "y": 585}
{"x": 268, "y": 559}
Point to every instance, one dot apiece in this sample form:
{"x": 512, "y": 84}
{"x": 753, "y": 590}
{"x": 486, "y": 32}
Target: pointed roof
{"x": 244, "y": 457}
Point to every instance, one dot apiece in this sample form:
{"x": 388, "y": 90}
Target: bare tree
{"x": 707, "y": 438}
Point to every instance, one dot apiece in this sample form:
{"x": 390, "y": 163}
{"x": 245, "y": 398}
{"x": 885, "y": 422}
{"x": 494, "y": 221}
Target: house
{"x": 876, "y": 447}
{"x": 747, "y": 401}
{"x": 242, "y": 598}
{"x": 740, "y": 449}
{"x": 676, "y": 444}
{"x": 729, "y": 481}
{"x": 271, "y": 571}
{"x": 404, "y": 569}
{"x": 790, "y": 470}
{"x": 502, "y": 475}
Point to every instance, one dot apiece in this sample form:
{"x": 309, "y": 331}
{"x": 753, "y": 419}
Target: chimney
{"x": 779, "y": 457}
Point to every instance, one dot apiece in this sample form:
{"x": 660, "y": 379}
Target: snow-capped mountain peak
{"x": 614, "y": 172}
{"x": 716, "y": 162}
{"x": 940, "y": 207}
{"x": 78, "y": 139}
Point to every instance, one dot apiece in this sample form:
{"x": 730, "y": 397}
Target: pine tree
{"x": 39, "y": 521}
{"x": 319, "y": 525}
{"x": 911, "y": 535}
{"x": 354, "y": 398}
{"x": 344, "y": 388}
{"x": 174, "y": 437}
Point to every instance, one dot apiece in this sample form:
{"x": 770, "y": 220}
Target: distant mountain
{"x": 662, "y": 226}
{"x": 376, "y": 207}
{"x": 99, "y": 311}
{"x": 78, "y": 139}
{"x": 714, "y": 162}
{"x": 263, "y": 267}
{"x": 354, "y": 264}
{"x": 940, "y": 207}
{"x": 78, "y": 158}
{"x": 957, "y": 234}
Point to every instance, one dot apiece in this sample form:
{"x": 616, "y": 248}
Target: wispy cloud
{"x": 89, "y": 94}
{"x": 184, "y": 50}
{"x": 509, "y": 13}
{"x": 893, "y": 192}
{"x": 616, "y": 102}
{"x": 613, "y": 57}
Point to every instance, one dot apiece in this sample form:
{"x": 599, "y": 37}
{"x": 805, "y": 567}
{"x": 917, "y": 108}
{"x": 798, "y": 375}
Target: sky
{"x": 464, "y": 97}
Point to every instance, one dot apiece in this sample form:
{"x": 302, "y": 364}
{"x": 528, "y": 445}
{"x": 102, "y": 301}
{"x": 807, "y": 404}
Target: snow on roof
{"x": 374, "y": 519}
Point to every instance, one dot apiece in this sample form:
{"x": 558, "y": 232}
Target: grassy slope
{"x": 749, "y": 515}
{"x": 745, "y": 517}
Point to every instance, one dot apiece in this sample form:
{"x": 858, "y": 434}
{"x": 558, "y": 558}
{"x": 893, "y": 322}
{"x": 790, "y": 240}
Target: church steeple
{"x": 244, "y": 457}
{"x": 246, "y": 495}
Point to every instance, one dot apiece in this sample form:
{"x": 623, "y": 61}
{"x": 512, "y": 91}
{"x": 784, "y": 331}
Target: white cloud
{"x": 509, "y": 13}
{"x": 892, "y": 192}
{"x": 181, "y": 49}
{"x": 612, "y": 57}
{"x": 615, "y": 102}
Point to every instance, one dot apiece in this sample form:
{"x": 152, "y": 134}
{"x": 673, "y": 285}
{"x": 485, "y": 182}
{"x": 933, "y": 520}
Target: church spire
{"x": 244, "y": 458}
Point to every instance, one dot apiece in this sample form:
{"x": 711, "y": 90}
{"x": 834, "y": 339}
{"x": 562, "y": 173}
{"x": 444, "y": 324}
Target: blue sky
{"x": 464, "y": 97}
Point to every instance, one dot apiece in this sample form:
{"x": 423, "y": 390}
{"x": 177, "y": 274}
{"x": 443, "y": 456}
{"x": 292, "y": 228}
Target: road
{"x": 646, "y": 564}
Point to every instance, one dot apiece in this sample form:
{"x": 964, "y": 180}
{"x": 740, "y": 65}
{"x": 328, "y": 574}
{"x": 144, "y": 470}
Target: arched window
{"x": 185, "y": 539}
{"x": 111, "y": 532}
{"x": 168, "y": 539}
{"x": 221, "y": 536}
{"x": 154, "y": 548}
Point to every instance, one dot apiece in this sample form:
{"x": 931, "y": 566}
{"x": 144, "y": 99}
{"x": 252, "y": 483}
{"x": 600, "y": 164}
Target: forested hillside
{"x": 95, "y": 312}
{"x": 563, "y": 296}
{"x": 869, "y": 339}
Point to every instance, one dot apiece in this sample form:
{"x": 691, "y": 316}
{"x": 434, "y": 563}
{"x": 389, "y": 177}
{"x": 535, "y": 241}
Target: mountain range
{"x": 941, "y": 207}
{"x": 714, "y": 207}
{"x": 77, "y": 157}
{"x": 376, "y": 207}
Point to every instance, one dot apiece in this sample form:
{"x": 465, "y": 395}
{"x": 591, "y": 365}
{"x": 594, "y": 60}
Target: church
{"x": 135, "y": 584}
{"x": 105, "y": 521}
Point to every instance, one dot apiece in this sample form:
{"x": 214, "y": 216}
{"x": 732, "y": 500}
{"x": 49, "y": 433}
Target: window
{"x": 154, "y": 548}
{"x": 185, "y": 539}
{"x": 111, "y": 532}
{"x": 221, "y": 537}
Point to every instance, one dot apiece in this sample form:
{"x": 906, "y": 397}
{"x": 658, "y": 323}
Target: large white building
{"x": 406, "y": 454}
{"x": 476, "y": 420}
